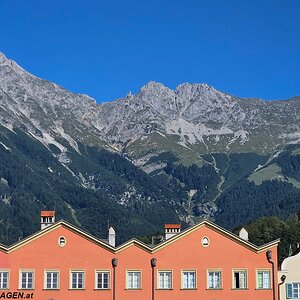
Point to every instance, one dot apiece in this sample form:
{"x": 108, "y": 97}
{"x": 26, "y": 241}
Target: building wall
{"x": 291, "y": 269}
{"x": 222, "y": 253}
{"x": 44, "y": 253}
{"x": 184, "y": 253}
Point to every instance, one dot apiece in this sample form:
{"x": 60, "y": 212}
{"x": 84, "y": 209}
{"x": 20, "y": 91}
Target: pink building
{"x": 205, "y": 261}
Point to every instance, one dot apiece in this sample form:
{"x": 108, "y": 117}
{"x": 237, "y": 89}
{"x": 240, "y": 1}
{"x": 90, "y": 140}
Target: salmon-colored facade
{"x": 206, "y": 262}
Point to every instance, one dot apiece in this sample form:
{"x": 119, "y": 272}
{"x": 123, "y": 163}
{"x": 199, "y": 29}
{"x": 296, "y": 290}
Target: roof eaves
{"x": 219, "y": 229}
{"x": 243, "y": 242}
{"x": 52, "y": 227}
{"x": 87, "y": 235}
{"x": 32, "y": 237}
{"x": 176, "y": 237}
{"x": 268, "y": 245}
{"x": 3, "y": 248}
{"x": 135, "y": 242}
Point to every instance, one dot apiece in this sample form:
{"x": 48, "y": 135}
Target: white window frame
{"x": 2, "y": 271}
{"x": 62, "y": 241}
{"x": 27, "y": 287}
{"x": 73, "y": 272}
{"x": 205, "y": 241}
{"x": 293, "y": 289}
{"x": 245, "y": 271}
{"x": 164, "y": 286}
{"x": 97, "y": 272}
{"x": 46, "y": 272}
{"x": 214, "y": 272}
{"x": 130, "y": 285}
{"x": 263, "y": 271}
{"x": 188, "y": 287}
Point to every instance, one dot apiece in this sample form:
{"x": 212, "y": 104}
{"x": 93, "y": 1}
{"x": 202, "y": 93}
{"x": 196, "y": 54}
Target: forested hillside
{"x": 273, "y": 190}
{"x": 95, "y": 188}
{"x": 268, "y": 229}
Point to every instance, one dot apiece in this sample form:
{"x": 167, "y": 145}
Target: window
{"x": 51, "y": 280}
{"x": 62, "y": 241}
{"x": 133, "y": 279}
{"x": 4, "y": 277}
{"x": 214, "y": 280}
{"x": 102, "y": 280}
{"x": 77, "y": 280}
{"x": 263, "y": 280}
{"x": 240, "y": 279}
{"x": 188, "y": 279}
{"x": 26, "y": 280}
{"x": 165, "y": 280}
{"x": 205, "y": 241}
{"x": 293, "y": 290}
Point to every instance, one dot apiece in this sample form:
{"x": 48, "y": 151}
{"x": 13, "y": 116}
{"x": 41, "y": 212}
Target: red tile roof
{"x": 47, "y": 213}
{"x": 173, "y": 226}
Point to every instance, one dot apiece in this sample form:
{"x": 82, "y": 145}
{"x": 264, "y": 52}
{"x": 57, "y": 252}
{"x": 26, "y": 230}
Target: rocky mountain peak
{"x": 14, "y": 78}
{"x": 186, "y": 88}
{"x": 185, "y": 96}
{"x": 202, "y": 90}
{"x": 153, "y": 87}
{"x": 3, "y": 59}
{"x": 195, "y": 113}
{"x": 36, "y": 104}
{"x": 12, "y": 73}
{"x": 188, "y": 85}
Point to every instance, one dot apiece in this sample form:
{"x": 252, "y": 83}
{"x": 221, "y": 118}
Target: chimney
{"x": 111, "y": 237}
{"x": 244, "y": 234}
{"x": 47, "y": 218}
{"x": 171, "y": 230}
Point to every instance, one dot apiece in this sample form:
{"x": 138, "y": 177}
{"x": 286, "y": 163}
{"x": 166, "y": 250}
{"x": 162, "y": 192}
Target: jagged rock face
{"x": 197, "y": 115}
{"x": 201, "y": 116}
{"x": 40, "y": 106}
{"x": 193, "y": 104}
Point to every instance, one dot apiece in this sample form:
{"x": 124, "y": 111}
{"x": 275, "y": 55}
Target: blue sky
{"x": 248, "y": 48}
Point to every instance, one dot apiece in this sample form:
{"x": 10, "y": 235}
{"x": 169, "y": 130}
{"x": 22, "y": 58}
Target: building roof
{"x": 137, "y": 242}
{"x": 47, "y": 213}
{"x": 172, "y": 226}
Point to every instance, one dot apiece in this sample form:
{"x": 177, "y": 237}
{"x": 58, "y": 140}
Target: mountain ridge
{"x": 197, "y": 116}
{"x": 203, "y": 145}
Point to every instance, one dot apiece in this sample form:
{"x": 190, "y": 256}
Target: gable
{"x": 187, "y": 238}
{"x": 200, "y": 230}
{"x": 48, "y": 238}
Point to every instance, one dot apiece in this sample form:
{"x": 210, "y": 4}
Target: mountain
{"x": 157, "y": 156}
